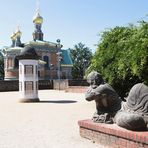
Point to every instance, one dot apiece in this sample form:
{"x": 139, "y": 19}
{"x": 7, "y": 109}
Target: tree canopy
{"x": 122, "y": 56}
{"x": 81, "y": 57}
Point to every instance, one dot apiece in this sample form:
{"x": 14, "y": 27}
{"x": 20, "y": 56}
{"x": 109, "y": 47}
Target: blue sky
{"x": 72, "y": 21}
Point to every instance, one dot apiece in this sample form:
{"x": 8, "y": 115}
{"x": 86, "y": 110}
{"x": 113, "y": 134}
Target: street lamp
{"x": 59, "y": 58}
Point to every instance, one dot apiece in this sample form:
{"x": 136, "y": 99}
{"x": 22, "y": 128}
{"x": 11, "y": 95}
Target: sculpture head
{"x": 94, "y": 78}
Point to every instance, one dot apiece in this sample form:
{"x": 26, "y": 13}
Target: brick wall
{"x": 63, "y": 85}
{"x": 45, "y": 84}
{"x": 76, "y": 89}
{"x": 75, "y": 86}
{"x": 113, "y": 136}
{"x": 78, "y": 83}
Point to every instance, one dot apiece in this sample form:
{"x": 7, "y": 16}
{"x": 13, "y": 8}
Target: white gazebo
{"x": 28, "y": 75}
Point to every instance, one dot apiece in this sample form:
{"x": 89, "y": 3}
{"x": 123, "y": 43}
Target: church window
{"x": 39, "y": 74}
{"x": 46, "y": 59}
{"x": 9, "y": 62}
{"x": 16, "y": 63}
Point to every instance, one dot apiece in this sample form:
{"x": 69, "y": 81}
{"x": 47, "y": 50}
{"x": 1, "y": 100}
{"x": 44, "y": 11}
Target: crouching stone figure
{"x": 134, "y": 112}
{"x": 131, "y": 114}
{"x": 106, "y": 98}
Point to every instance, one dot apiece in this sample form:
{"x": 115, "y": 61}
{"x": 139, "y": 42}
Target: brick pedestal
{"x": 112, "y": 135}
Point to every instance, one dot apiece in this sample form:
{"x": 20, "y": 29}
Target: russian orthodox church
{"x": 53, "y": 62}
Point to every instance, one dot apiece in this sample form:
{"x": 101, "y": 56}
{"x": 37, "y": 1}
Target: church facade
{"x": 54, "y": 61}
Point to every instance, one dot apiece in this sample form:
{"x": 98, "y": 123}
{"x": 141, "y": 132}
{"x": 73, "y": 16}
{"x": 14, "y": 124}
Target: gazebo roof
{"x": 28, "y": 53}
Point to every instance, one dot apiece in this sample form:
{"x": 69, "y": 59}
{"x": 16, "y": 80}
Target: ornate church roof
{"x": 35, "y": 46}
{"x": 66, "y": 60}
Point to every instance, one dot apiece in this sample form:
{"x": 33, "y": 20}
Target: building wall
{"x": 66, "y": 72}
{"x": 11, "y": 74}
{"x": 11, "y": 66}
{"x": 54, "y": 59}
{"x": 45, "y": 72}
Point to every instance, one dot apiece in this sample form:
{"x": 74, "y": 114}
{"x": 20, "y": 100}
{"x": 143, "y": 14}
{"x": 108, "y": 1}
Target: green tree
{"x": 122, "y": 56}
{"x": 81, "y": 57}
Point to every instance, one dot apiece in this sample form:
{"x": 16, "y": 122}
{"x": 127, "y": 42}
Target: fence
{"x": 14, "y": 85}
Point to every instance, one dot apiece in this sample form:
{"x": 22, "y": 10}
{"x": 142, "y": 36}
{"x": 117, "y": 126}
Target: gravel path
{"x": 52, "y": 123}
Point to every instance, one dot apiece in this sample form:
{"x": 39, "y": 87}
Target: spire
{"x": 38, "y": 20}
{"x": 18, "y": 36}
{"x": 37, "y": 6}
{"x": 13, "y": 38}
{"x": 18, "y": 32}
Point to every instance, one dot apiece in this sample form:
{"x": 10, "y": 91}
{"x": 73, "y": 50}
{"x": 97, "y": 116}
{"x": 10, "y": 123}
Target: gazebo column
{"x": 28, "y": 75}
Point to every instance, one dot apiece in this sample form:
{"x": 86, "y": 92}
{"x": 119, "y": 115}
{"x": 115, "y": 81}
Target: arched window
{"x": 46, "y": 59}
{"x": 16, "y": 63}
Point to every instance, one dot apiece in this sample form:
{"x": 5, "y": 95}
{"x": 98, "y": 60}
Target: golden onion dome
{"x": 18, "y": 33}
{"x": 38, "y": 19}
{"x": 13, "y": 36}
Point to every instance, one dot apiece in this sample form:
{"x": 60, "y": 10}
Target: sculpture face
{"x": 94, "y": 78}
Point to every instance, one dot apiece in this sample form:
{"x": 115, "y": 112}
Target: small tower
{"x": 18, "y": 38}
{"x": 28, "y": 75}
{"x": 37, "y": 20}
{"x": 13, "y": 38}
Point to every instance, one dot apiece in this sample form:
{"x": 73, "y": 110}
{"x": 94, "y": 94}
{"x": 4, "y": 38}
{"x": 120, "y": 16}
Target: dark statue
{"x": 132, "y": 114}
{"x": 106, "y": 98}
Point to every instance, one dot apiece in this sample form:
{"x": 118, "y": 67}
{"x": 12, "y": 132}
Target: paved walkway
{"x": 52, "y": 123}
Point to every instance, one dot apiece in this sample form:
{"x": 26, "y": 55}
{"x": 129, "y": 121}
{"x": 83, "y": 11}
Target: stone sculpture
{"x": 106, "y": 98}
{"x": 131, "y": 114}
